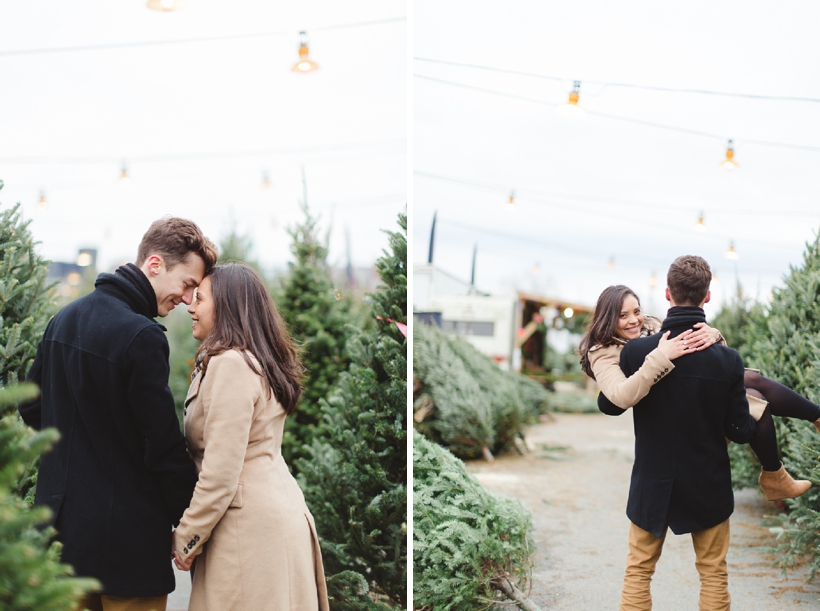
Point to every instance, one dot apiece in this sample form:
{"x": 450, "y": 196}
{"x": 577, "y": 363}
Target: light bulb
{"x": 304, "y": 64}
{"x": 570, "y": 109}
{"x": 729, "y": 163}
{"x": 731, "y": 253}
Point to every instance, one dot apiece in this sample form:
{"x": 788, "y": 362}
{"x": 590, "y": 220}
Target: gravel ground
{"x": 575, "y": 482}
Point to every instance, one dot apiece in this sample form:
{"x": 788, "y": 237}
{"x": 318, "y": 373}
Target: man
{"x": 681, "y": 478}
{"x": 119, "y": 477}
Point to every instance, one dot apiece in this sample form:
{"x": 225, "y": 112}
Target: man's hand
{"x": 182, "y": 565}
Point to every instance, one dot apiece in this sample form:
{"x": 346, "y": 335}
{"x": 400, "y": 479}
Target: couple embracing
{"x": 122, "y": 474}
{"x": 689, "y": 395}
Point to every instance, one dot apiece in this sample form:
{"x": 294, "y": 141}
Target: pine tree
{"x": 786, "y": 350}
{"x": 25, "y": 296}
{"x": 468, "y": 544}
{"x": 316, "y": 313}
{"x": 31, "y": 575}
{"x": 355, "y": 480}
{"x": 25, "y": 307}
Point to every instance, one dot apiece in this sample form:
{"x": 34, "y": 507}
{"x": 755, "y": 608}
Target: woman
{"x": 618, "y": 318}
{"x": 248, "y": 527}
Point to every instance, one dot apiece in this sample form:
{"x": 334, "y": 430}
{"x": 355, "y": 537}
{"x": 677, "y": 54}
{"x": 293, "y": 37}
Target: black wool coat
{"x": 682, "y": 477}
{"x": 119, "y": 477}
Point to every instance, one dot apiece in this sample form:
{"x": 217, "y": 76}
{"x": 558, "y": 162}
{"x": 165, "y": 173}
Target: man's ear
{"x": 708, "y": 296}
{"x": 668, "y": 296}
{"x": 153, "y": 266}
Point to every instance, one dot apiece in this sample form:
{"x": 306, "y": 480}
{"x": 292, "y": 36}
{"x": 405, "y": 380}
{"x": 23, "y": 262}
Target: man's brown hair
{"x": 688, "y": 280}
{"x": 173, "y": 239}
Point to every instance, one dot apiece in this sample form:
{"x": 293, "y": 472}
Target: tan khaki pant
{"x": 711, "y": 546}
{"x": 98, "y": 602}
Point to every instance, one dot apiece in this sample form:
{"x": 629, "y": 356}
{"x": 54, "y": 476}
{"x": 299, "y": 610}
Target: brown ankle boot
{"x": 780, "y": 485}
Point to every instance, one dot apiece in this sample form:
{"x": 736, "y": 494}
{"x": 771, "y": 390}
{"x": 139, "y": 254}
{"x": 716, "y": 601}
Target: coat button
{"x": 667, "y": 369}
{"x": 196, "y": 537}
{"x": 185, "y": 550}
{"x": 190, "y": 546}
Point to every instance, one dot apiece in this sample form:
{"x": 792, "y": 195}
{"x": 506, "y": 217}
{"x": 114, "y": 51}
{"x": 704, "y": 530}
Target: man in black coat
{"x": 120, "y": 477}
{"x": 681, "y": 478}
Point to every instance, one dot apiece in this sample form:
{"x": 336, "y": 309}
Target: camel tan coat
{"x": 248, "y": 526}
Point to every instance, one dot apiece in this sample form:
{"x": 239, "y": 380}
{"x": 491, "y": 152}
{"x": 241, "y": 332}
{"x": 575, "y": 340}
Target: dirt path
{"x": 577, "y": 497}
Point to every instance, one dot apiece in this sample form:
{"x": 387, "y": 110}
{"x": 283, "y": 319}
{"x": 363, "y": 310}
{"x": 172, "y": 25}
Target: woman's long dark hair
{"x": 602, "y": 327}
{"x": 246, "y": 319}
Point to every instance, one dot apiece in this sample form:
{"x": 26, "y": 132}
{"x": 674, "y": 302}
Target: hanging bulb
{"x": 510, "y": 205}
{"x": 265, "y": 180}
{"x": 729, "y": 163}
{"x": 611, "y": 263}
{"x": 166, "y": 5}
{"x": 731, "y": 253}
{"x": 653, "y": 280}
{"x": 571, "y": 109}
{"x": 304, "y": 64}
{"x": 124, "y": 177}
{"x": 42, "y": 203}
{"x": 700, "y": 225}
{"x": 536, "y": 269}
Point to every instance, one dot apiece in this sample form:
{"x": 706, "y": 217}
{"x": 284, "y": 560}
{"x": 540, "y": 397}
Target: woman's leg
{"x": 783, "y": 401}
{"x": 774, "y": 479}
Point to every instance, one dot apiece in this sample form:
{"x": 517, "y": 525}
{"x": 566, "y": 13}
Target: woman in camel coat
{"x": 248, "y": 527}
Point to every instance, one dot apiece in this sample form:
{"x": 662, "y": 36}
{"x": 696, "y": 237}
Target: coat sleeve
{"x": 229, "y": 392}
{"x": 619, "y": 389}
{"x": 30, "y": 410}
{"x": 739, "y": 425}
{"x": 152, "y": 406}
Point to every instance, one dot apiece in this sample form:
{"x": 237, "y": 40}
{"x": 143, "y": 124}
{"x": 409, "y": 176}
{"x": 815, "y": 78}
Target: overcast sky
{"x": 198, "y": 123}
{"x": 603, "y": 188}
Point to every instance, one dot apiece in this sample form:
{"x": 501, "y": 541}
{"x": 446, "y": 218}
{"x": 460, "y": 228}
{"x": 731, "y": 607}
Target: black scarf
{"x": 136, "y": 288}
{"x": 683, "y": 316}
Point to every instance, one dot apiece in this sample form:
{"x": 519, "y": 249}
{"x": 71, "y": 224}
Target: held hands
{"x": 182, "y": 564}
{"x": 704, "y": 337}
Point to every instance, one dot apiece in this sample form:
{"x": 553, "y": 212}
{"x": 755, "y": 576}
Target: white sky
{"x": 346, "y": 124}
{"x": 598, "y": 188}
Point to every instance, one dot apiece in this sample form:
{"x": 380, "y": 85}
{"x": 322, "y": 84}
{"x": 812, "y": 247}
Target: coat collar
{"x": 683, "y": 316}
{"x": 129, "y": 284}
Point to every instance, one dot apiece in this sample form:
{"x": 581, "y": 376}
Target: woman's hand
{"x": 183, "y": 565}
{"x": 704, "y": 337}
{"x": 675, "y": 347}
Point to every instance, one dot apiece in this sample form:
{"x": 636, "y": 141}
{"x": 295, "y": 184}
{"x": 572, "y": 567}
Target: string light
{"x": 166, "y": 5}
{"x": 653, "y": 280}
{"x": 611, "y": 263}
{"x": 265, "y": 181}
{"x": 124, "y": 177}
{"x": 42, "y": 203}
{"x": 729, "y": 163}
{"x": 304, "y": 64}
{"x": 569, "y": 312}
{"x": 700, "y": 225}
{"x": 570, "y": 109}
{"x": 510, "y": 205}
{"x": 731, "y": 253}
{"x": 536, "y": 269}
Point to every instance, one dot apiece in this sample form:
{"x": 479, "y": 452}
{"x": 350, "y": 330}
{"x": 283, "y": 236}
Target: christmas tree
{"x": 786, "y": 349}
{"x": 355, "y": 480}
{"x": 469, "y": 546}
{"x": 316, "y": 313}
{"x": 31, "y": 575}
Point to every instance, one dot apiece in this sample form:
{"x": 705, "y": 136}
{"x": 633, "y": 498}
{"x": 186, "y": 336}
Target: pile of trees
{"x": 464, "y": 401}
{"x": 784, "y": 343}
{"x": 470, "y": 547}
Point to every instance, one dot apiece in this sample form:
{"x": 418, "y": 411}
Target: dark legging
{"x": 783, "y": 401}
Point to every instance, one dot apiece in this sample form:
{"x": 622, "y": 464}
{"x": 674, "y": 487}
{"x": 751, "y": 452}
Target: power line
{"x": 344, "y": 146}
{"x": 523, "y": 194}
{"x": 152, "y": 43}
{"x": 623, "y": 85}
{"x": 683, "y": 130}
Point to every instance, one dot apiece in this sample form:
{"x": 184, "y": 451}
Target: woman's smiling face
{"x": 630, "y": 319}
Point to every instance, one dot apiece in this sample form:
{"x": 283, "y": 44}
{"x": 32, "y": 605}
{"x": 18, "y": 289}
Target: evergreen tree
{"x": 316, "y": 313}
{"x": 355, "y": 480}
{"x": 31, "y": 575}
{"x": 786, "y": 350}
{"x": 468, "y": 544}
{"x": 25, "y": 297}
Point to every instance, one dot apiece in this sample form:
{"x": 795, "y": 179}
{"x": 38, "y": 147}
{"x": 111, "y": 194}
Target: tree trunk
{"x": 517, "y": 595}
{"x": 488, "y": 456}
